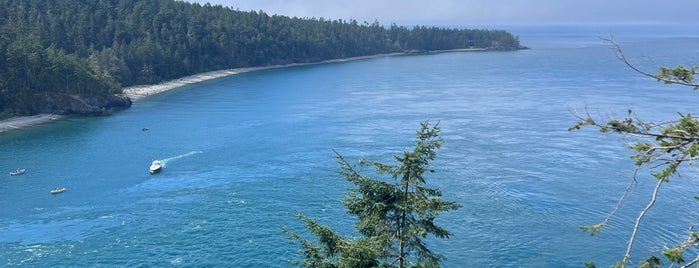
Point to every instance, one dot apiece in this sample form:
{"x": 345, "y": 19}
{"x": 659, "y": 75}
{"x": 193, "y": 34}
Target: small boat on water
{"x": 58, "y": 190}
{"x": 19, "y": 171}
{"x": 155, "y": 167}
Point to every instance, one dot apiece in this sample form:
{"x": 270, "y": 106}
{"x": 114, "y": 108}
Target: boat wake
{"x": 166, "y": 160}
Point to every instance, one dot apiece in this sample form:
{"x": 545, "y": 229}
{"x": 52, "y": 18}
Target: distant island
{"x": 74, "y": 57}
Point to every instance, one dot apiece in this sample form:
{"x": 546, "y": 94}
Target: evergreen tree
{"x": 148, "y": 41}
{"x": 393, "y": 215}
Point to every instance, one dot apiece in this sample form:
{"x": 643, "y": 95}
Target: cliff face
{"x": 84, "y": 105}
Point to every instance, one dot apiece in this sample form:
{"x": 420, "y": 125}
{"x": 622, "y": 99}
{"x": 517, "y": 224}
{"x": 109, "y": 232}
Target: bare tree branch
{"x": 636, "y": 225}
{"x": 693, "y": 262}
{"x": 661, "y": 148}
{"x": 620, "y": 55}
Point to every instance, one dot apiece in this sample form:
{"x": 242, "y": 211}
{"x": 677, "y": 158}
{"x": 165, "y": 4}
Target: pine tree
{"x": 393, "y": 215}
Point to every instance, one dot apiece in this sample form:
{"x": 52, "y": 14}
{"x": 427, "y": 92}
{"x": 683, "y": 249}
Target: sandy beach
{"x": 137, "y": 93}
{"x": 27, "y": 121}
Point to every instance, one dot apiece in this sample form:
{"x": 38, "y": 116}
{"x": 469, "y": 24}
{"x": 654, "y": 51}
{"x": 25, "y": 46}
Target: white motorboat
{"x": 58, "y": 190}
{"x": 155, "y": 167}
{"x": 19, "y": 171}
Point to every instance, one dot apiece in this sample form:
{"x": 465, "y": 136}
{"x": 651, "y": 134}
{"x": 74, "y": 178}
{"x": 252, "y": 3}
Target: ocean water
{"x": 246, "y": 153}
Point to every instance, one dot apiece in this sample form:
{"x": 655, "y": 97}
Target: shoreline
{"x": 139, "y": 92}
{"x": 21, "y": 122}
{"x": 136, "y": 93}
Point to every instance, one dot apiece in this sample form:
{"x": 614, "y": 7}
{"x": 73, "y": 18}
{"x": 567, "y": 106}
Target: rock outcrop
{"x": 84, "y": 105}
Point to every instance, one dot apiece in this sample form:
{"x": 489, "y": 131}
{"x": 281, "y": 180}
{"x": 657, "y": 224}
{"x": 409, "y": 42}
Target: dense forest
{"x": 74, "y": 56}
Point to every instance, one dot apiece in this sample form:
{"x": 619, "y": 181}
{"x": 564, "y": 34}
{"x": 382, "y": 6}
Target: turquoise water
{"x": 246, "y": 153}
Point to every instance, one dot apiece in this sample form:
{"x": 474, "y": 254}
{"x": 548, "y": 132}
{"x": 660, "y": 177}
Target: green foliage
{"x": 333, "y": 250}
{"x": 672, "y": 142}
{"x": 679, "y": 74}
{"x": 125, "y": 42}
{"x": 594, "y": 229}
{"x": 662, "y": 148}
{"x": 676, "y": 253}
{"x": 673, "y": 255}
{"x": 651, "y": 262}
{"x": 34, "y": 77}
{"x": 393, "y": 216}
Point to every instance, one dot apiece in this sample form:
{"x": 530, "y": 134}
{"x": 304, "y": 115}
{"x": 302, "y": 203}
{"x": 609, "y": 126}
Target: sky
{"x": 480, "y": 12}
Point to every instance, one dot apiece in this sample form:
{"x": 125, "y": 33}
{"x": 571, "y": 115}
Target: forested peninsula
{"x": 75, "y": 56}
